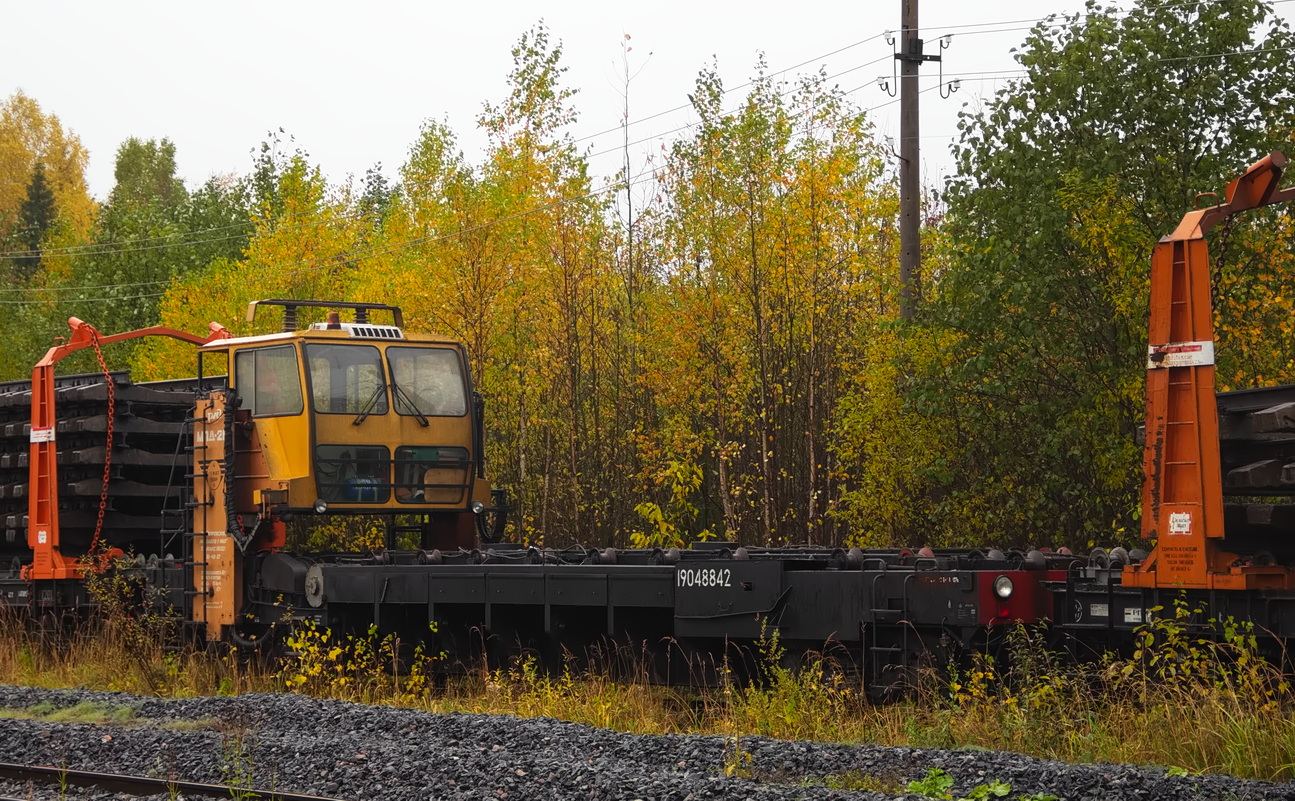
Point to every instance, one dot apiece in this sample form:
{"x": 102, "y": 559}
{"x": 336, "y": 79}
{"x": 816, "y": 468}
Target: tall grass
{"x": 1181, "y": 699}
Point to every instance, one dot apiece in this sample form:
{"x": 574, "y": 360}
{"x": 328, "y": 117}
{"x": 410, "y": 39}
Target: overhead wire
{"x": 164, "y": 240}
{"x": 691, "y": 125}
{"x": 37, "y": 302}
{"x": 686, "y": 106}
{"x": 116, "y": 247}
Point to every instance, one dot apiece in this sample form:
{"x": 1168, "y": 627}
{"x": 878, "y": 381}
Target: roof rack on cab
{"x": 290, "y": 310}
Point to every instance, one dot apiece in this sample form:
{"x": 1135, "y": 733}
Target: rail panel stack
{"x": 147, "y": 475}
{"x": 1257, "y": 449}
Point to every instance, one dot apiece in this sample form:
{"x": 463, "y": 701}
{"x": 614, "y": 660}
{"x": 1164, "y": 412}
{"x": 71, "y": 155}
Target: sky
{"x": 352, "y": 83}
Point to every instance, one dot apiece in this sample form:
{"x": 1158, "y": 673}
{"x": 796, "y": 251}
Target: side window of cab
{"x": 268, "y": 381}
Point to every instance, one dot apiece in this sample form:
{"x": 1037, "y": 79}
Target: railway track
{"x": 137, "y": 786}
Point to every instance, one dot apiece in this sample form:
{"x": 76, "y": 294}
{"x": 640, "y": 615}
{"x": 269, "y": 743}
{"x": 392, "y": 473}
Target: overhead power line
{"x": 686, "y": 106}
{"x": 165, "y": 241}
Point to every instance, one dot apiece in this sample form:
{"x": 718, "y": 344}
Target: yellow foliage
{"x": 29, "y": 135}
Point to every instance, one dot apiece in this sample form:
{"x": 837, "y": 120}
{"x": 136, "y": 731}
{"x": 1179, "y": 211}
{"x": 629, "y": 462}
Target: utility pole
{"x": 910, "y": 176}
{"x": 910, "y": 57}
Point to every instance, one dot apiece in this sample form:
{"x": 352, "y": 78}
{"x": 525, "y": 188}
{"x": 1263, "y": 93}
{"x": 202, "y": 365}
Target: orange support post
{"x": 1182, "y": 493}
{"x": 48, "y": 562}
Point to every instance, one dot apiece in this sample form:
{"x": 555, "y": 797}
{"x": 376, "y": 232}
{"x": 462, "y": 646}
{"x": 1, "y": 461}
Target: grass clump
{"x": 91, "y": 712}
{"x": 858, "y": 780}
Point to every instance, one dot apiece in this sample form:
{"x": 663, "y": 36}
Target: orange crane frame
{"x": 48, "y": 561}
{"x": 1182, "y": 493}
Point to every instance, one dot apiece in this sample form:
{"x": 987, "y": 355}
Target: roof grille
{"x": 373, "y": 331}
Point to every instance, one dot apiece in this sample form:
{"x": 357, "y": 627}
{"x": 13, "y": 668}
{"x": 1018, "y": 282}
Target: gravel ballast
{"x": 343, "y": 750}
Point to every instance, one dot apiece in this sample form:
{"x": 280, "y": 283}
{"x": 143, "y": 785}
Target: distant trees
{"x": 725, "y": 361}
{"x": 776, "y": 247}
{"x": 151, "y": 230}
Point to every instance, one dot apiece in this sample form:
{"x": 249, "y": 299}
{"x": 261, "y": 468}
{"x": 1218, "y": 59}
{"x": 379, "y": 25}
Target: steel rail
{"x": 141, "y": 785}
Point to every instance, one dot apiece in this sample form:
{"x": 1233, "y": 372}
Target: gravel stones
{"x": 331, "y": 748}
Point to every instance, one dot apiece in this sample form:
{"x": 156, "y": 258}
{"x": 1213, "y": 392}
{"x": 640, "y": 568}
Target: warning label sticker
{"x": 1180, "y": 523}
{"x": 1180, "y": 354}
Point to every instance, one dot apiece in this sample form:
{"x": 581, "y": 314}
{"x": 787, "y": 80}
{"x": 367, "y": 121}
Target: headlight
{"x": 477, "y": 507}
{"x": 321, "y": 506}
{"x": 1003, "y": 587}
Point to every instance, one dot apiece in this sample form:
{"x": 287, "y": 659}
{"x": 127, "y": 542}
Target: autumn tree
{"x": 29, "y": 136}
{"x": 776, "y": 243}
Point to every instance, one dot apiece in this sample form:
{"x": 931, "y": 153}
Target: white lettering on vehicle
{"x": 703, "y": 577}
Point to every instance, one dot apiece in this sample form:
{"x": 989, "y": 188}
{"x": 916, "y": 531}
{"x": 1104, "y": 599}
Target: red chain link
{"x": 107, "y": 456}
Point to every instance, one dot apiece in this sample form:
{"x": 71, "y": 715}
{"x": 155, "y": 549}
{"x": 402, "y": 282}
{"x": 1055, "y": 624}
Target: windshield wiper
{"x": 371, "y": 404}
{"x": 401, "y": 394}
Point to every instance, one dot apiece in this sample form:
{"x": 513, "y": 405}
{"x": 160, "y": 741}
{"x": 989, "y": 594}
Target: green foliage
{"x": 724, "y": 361}
{"x": 788, "y": 702}
{"x": 1066, "y": 179}
{"x": 935, "y": 784}
{"x": 357, "y": 667}
{"x": 667, "y": 528}
{"x": 992, "y": 789}
{"x": 150, "y": 232}
{"x": 938, "y": 784}
{"x": 88, "y": 712}
{"x": 776, "y": 249}
{"x": 857, "y": 780}
{"x": 36, "y": 216}
{"x": 891, "y": 457}
{"x": 29, "y": 136}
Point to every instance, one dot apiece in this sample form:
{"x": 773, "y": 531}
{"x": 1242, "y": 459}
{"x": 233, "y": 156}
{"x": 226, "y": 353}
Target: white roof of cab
{"x": 288, "y": 336}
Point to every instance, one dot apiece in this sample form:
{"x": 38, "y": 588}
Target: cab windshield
{"x": 428, "y": 382}
{"x": 347, "y": 379}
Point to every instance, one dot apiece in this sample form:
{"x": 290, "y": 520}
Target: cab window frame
{"x": 249, "y": 401}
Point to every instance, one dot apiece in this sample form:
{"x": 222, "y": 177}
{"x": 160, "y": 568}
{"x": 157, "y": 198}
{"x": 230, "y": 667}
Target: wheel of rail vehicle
{"x": 251, "y": 639}
{"x": 492, "y": 520}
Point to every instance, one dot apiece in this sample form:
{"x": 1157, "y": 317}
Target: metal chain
{"x": 107, "y": 457}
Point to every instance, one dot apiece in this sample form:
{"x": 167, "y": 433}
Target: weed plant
{"x": 1194, "y": 695}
